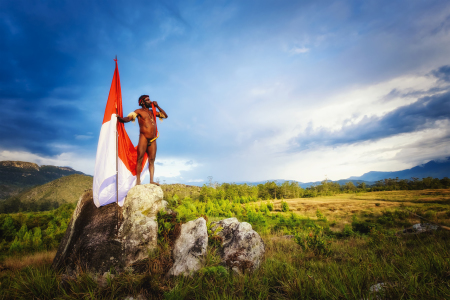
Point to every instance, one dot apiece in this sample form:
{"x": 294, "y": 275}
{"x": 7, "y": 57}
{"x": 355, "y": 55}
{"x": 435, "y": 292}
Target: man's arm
{"x": 162, "y": 113}
{"x": 131, "y": 117}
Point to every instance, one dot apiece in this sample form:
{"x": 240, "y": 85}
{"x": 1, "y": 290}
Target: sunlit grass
{"x": 18, "y": 262}
{"x": 415, "y": 266}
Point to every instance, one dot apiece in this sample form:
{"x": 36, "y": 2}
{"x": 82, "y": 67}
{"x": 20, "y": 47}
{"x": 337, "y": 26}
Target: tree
{"x": 8, "y": 229}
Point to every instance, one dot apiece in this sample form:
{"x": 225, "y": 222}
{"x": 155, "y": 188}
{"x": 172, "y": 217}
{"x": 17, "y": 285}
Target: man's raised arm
{"x": 161, "y": 111}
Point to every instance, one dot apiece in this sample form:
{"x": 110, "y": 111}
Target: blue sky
{"x": 255, "y": 90}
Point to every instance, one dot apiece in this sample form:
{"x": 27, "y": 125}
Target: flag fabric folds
{"x": 110, "y": 151}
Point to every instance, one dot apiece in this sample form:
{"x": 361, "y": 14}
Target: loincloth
{"x": 150, "y": 141}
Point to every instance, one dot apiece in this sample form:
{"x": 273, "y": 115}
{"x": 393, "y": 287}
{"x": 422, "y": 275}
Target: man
{"x": 147, "y": 135}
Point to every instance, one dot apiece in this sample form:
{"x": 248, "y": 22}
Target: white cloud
{"x": 195, "y": 180}
{"x": 299, "y": 50}
{"x": 66, "y": 159}
{"x": 172, "y": 167}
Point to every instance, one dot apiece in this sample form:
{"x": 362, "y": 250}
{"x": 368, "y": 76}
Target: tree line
{"x": 291, "y": 189}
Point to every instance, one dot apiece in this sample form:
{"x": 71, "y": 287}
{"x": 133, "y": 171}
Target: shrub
{"x": 320, "y": 216}
{"x": 214, "y": 240}
{"x": 214, "y": 272}
{"x": 315, "y": 241}
{"x": 284, "y": 206}
{"x": 347, "y": 231}
{"x": 363, "y": 227}
{"x": 270, "y": 206}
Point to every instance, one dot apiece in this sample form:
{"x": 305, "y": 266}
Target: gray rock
{"x": 376, "y": 288}
{"x": 189, "y": 250}
{"x": 139, "y": 230}
{"x": 138, "y": 297}
{"x": 98, "y": 239}
{"x": 421, "y": 227}
{"x": 242, "y": 247}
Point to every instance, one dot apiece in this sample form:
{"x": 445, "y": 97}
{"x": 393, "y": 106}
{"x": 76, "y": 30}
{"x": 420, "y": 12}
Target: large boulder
{"x": 242, "y": 247}
{"x": 189, "y": 250}
{"x": 139, "y": 230}
{"x": 98, "y": 239}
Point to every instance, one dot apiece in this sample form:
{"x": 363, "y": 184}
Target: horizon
{"x": 254, "y": 90}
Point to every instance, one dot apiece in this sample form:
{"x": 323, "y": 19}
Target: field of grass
{"x": 343, "y": 245}
{"x": 431, "y": 204}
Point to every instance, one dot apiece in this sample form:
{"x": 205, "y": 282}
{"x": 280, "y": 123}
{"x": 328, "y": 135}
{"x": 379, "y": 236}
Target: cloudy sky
{"x": 254, "y": 90}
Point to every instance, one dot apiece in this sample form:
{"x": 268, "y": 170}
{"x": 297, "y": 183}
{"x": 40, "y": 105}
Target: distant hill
{"x": 48, "y": 196}
{"x": 309, "y": 184}
{"x": 430, "y": 169}
{"x": 16, "y": 176}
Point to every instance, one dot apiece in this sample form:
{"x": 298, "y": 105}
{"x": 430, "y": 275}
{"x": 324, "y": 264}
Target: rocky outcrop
{"x": 98, "y": 239}
{"x": 139, "y": 230}
{"x": 19, "y": 164}
{"x": 242, "y": 247}
{"x": 421, "y": 227}
{"x": 189, "y": 251}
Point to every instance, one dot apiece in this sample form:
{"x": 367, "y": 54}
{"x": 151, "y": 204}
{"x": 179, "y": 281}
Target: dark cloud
{"x": 417, "y": 116}
{"x": 443, "y": 73}
{"x": 50, "y": 53}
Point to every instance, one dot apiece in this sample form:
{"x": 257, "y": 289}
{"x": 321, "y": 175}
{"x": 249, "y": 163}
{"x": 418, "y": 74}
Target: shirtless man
{"x": 147, "y": 135}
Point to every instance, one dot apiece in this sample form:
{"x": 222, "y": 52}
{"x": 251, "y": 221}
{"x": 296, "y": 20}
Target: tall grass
{"x": 411, "y": 267}
{"x": 364, "y": 249}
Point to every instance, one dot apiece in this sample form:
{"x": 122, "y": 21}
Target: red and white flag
{"x": 105, "y": 176}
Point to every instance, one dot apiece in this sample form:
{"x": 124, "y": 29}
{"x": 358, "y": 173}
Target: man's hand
{"x": 122, "y": 120}
{"x": 155, "y": 103}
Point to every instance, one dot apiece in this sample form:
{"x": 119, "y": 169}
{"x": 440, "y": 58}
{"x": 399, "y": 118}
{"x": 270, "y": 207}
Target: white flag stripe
{"x": 105, "y": 160}
{"x": 104, "y": 187}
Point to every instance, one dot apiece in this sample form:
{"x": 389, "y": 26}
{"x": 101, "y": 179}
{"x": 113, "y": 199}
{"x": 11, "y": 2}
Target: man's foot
{"x": 154, "y": 183}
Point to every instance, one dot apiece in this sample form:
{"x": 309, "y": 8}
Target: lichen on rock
{"x": 190, "y": 248}
{"x": 242, "y": 248}
{"x": 98, "y": 239}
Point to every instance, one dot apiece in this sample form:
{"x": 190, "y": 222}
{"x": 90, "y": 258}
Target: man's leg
{"x": 151, "y": 152}
{"x": 141, "y": 148}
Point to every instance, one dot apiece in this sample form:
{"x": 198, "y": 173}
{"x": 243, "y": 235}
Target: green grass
{"x": 414, "y": 267}
{"x": 339, "y": 252}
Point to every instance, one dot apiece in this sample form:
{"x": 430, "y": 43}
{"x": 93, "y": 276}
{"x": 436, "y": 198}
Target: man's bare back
{"x": 147, "y": 135}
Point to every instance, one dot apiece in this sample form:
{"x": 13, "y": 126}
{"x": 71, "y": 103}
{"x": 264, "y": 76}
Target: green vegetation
{"x": 16, "y": 176}
{"x": 48, "y": 196}
{"x": 23, "y": 233}
{"x": 291, "y": 189}
{"x": 341, "y": 246}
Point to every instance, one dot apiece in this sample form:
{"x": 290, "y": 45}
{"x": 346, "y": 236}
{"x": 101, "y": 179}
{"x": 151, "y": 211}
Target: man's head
{"x": 142, "y": 99}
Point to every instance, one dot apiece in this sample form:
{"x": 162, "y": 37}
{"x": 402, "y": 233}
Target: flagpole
{"x": 117, "y": 163}
{"x": 117, "y": 153}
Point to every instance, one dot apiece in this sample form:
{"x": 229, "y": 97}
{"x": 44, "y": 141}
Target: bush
{"x": 363, "y": 227}
{"x": 284, "y": 206}
{"x": 270, "y": 206}
{"x": 320, "y": 216}
{"x": 315, "y": 241}
{"x": 347, "y": 231}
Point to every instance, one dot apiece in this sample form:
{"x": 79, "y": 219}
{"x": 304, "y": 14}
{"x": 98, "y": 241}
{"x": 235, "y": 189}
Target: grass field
{"x": 328, "y": 259}
{"x": 431, "y": 204}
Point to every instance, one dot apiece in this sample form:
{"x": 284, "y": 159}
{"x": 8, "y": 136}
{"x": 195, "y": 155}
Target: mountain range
{"x": 435, "y": 169}
{"x": 17, "y": 176}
